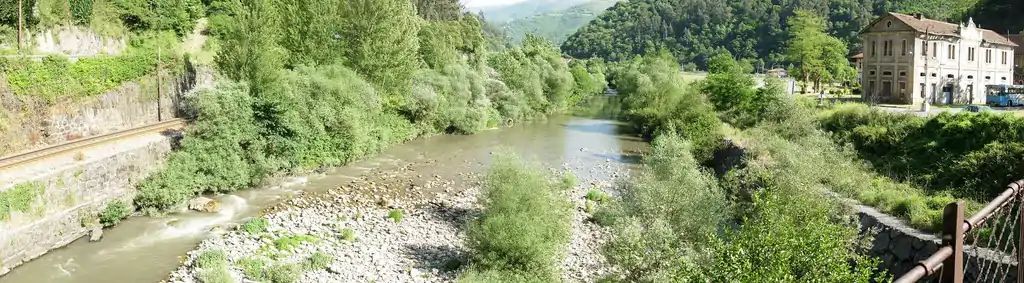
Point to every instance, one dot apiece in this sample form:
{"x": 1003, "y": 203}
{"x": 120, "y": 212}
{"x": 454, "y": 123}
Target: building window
{"x": 924, "y": 49}
{"x": 888, "y": 24}
{"x": 1004, "y": 57}
{"x": 903, "y": 51}
{"x": 988, "y": 77}
{"x": 887, "y": 48}
{"x": 872, "y": 73}
{"x": 903, "y": 74}
{"x": 922, "y": 74}
{"x": 871, "y": 87}
{"x": 949, "y": 76}
{"x": 935, "y": 50}
{"x": 970, "y": 53}
{"x": 1004, "y": 78}
{"x": 873, "y": 46}
{"x": 970, "y": 77}
{"x": 887, "y": 73}
{"x": 988, "y": 55}
{"x": 952, "y": 51}
{"x": 903, "y": 87}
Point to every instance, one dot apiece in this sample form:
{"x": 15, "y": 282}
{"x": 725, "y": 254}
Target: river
{"x": 146, "y": 249}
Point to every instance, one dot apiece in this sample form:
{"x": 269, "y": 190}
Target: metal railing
{"x": 993, "y": 235}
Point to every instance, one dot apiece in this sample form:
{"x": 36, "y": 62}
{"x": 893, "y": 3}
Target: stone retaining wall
{"x": 900, "y": 248}
{"x": 70, "y": 198}
{"x": 27, "y": 124}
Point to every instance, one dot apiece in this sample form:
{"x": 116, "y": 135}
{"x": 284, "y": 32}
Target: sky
{"x": 488, "y": 3}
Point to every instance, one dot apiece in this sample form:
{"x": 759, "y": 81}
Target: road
{"x": 936, "y": 110}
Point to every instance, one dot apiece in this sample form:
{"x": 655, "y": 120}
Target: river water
{"x": 146, "y": 249}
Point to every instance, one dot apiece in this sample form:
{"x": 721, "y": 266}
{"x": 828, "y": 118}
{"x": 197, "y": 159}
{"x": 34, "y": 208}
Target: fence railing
{"x": 981, "y": 248}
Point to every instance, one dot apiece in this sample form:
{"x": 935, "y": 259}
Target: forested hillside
{"x": 695, "y": 30}
{"x": 558, "y": 25}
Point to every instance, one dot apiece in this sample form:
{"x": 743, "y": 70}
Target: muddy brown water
{"x": 146, "y": 249}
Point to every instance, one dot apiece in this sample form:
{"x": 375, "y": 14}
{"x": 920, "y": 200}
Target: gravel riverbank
{"x": 357, "y": 227}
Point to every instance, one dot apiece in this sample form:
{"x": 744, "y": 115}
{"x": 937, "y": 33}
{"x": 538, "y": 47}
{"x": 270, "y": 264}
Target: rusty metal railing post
{"x": 1019, "y": 199}
{"x": 953, "y": 237}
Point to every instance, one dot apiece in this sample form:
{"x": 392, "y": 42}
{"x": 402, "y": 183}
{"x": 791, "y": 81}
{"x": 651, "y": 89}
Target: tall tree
{"x": 818, "y": 55}
{"x": 380, "y": 43}
{"x": 250, "y": 51}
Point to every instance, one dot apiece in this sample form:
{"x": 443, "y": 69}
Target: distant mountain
{"x": 556, "y": 26}
{"x": 505, "y": 13}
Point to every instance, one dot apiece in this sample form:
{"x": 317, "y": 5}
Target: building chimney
{"x": 918, "y": 16}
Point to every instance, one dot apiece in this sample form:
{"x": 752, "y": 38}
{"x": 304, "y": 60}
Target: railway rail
{"x": 24, "y": 157}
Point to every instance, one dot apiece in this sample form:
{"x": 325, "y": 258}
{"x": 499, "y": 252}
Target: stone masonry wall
{"x": 128, "y": 106}
{"x": 900, "y": 248}
{"x": 70, "y": 199}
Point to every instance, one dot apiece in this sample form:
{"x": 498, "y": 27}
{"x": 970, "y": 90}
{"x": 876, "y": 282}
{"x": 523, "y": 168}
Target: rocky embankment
{"x": 374, "y": 230}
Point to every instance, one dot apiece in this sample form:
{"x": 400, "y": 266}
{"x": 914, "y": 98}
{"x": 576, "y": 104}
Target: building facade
{"x": 909, "y": 59}
{"x": 1018, "y": 70}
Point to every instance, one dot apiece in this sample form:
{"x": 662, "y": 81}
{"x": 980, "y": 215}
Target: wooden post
{"x": 953, "y": 236}
{"x": 19, "y": 25}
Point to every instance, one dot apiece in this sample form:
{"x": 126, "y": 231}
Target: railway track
{"x": 20, "y": 158}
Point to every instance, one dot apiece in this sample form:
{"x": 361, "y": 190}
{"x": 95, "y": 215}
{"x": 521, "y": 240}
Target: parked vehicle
{"x": 977, "y": 108}
{"x": 1004, "y": 95}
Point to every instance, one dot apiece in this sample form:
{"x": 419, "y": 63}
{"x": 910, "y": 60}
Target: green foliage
{"x": 55, "y": 78}
{"x": 696, "y": 30}
{"x": 523, "y": 229}
{"x": 657, "y": 101}
{"x": 163, "y": 15}
{"x": 317, "y": 261}
{"x": 668, "y": 210}
{"x": 283, "y": 273}
{"x": 214, "y": 265}
{"x": 379, "y": 42}
{"x": 256, "y": 225}
{"x": 20, "y": 198}
{"x": 348, "y": 234}
{"x": 819, "y": 56}
{"x": 113, "y": 213}
{"x": 249, "y": 49}
{"x": 290, "y": 242}
{"x": 396, "y": 215}
{"x": 971, "y": 155}
{"x": 597, "y": 196}
{"x": 81, "y": 11}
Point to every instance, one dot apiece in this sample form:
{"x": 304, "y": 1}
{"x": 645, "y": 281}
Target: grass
{"x": 348, "y": 234}
{"x": 290, "y": 242}
{"x": 256, "y": 225}
{"x": 396, "y": 215}
{"x": 524, "y": 226}
{"x": 263, "y": 271}
{"x": 113, "y": 213}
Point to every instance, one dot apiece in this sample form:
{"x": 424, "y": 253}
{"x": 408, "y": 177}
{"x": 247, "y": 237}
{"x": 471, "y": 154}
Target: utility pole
{"x": 19, "y": 25}
{"x": 159, "y": 108}
{"x": 926, "y": 95}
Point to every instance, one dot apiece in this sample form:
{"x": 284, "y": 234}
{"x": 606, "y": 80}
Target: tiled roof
{"x": 858, "y": 56}
{"x": 944, "y": 28}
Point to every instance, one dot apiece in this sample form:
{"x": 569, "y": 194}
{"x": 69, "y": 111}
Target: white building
{"x": 908, "y": 58}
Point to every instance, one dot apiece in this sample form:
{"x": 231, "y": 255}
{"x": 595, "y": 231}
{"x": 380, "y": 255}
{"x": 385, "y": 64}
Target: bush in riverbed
{"x": 524, "y": 227}
{"x": 668, "y": 211}
{"x": 396, "y": 215}
{"x": 317, "y": 261}
{"x": 113, "y": 213}
{"x": 256, "y": 225}
{"x": 214, "y": 265}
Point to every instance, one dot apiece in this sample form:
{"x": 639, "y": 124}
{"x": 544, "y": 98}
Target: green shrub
{"x": 597, "y": 196}
{"x": 215, "y": 275}
{"x": 524, "y": 226}
{"x": 211, "y": 259}
{"x": 283, "y": 273}
{"x": 396, "y": 215}
{"x": 317, "y": 261}
{"x": 669, "y": 209}
{"x": 290, "y": 242}
{"x": 253, "y": 268}
{"x": 113, "y": 213}
{"x": 256, "y": 225}
{"x": 20, "y": 198}
{"x": 348, "y": 234}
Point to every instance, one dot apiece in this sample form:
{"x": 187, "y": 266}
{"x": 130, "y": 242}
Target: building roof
{"x": 858, "y": 56}
{"x": 1019, "y": 40}
{"x": 943, "y": 28}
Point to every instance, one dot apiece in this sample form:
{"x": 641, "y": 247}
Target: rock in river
{"x": 204, "y": 204}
